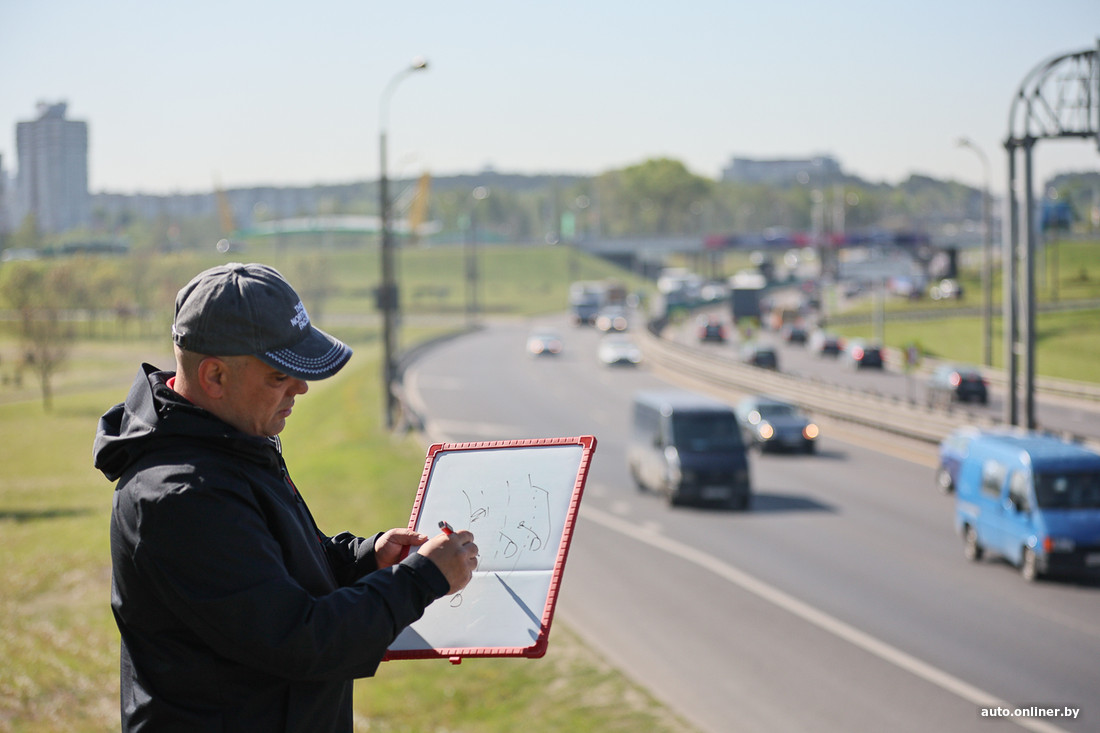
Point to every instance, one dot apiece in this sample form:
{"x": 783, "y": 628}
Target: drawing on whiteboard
{"x": 518, "y": 526}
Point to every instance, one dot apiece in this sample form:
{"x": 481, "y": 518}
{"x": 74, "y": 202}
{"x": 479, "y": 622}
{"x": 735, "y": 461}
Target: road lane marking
{"x": 808, "y": 613}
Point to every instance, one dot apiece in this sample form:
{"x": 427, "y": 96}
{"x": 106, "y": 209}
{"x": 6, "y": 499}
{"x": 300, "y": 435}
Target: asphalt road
{"x": 840, "y": 602}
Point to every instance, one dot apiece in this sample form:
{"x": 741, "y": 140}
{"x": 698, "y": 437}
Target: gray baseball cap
{"x": 236, "y": 310}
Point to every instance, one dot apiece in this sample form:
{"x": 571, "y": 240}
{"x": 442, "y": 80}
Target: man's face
{"x": 258, "y": 399}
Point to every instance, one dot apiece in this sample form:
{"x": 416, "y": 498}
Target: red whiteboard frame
{"x": 537, "y": 649}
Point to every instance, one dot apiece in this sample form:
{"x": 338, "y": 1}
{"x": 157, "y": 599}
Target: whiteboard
{"x": 520, "y": 499}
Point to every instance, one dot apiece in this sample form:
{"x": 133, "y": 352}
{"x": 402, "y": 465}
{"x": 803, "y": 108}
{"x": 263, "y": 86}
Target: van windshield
{"x": 705, "y": 431}
{"x": 1068, "y": 490}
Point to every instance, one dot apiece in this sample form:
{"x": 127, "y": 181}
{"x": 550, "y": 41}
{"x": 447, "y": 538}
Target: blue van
{"x": 688, "y": 447}
{"x": 1032, "y": 498}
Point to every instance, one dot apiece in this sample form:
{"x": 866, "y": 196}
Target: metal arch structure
{"x": 1060, "y": 98}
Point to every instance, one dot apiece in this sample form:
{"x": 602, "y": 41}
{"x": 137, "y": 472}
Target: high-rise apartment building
{"x": 5, "y": 201}
{"x": 52, "y": 181}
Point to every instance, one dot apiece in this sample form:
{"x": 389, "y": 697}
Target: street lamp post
{"x": 479, "y": 194}
{"x": 387, "y": 291}
{"x": 987, "y": 256}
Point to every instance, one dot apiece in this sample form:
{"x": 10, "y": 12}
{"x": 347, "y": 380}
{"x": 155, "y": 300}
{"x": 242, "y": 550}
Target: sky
{"x": 186, "y": 97}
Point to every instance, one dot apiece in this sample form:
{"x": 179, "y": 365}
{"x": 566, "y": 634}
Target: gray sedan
{"x": 773, "y": 424}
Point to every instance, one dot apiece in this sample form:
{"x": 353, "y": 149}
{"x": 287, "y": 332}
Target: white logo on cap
{"x": 301, "y": 318}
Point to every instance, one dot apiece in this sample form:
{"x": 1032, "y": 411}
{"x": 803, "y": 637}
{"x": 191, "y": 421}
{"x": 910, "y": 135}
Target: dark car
{"x": 824, "y": 343}
{"x": 759, "y": 355}
{"x": 957, "y": 383}
{"x": 711, "y": 329}
{"x": 953, "y": 450}
{"x": 773, "y": 424}
{"x": 860, "y": 354}
{"x": 795, "y": 335}
{"x": 544, "y": 343}
{"x": 612, "y": 318}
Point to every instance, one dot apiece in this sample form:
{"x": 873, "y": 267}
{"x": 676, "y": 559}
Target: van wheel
{"x": 971, "y": 549}
{"x": 1029, "y": 565}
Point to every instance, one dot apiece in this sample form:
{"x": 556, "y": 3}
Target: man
{"x": 236, "y": 612}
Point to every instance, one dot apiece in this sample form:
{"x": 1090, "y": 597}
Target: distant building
{"x": 5, "y": 201}
{"x": 52, "y": 178}
{"x": 820, "y": 169}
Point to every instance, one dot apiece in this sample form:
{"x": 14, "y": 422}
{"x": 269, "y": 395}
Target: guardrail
{"x": 1048, "y": 386}
{"x": 727, "y": 377}
{"x": 1066, "y": 388}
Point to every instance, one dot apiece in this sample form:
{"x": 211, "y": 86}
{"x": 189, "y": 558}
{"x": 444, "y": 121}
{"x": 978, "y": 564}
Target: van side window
{"x": 1017, "y": 490}
{"x": 993, "y": 478}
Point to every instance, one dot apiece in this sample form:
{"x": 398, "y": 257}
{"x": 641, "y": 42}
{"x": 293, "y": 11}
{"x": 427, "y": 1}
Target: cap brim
{"x": 317, "y": 356}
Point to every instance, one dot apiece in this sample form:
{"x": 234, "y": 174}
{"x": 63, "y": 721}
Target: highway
{"x": 1066, "y": 415}
{"x": 840, "y": 602}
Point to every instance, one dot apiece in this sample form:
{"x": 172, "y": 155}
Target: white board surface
{"x": 520, "y": 499}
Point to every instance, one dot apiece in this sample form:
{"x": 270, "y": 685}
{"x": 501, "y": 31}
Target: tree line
{"x": 656, "y": 197}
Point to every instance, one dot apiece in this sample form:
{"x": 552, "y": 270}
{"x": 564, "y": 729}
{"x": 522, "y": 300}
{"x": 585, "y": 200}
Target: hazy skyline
{"x": 180, "y": 98}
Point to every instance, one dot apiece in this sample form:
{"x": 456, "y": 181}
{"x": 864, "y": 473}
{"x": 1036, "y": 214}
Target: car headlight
{"x": 810, "y": 432}
{"x": 765, "y": 430}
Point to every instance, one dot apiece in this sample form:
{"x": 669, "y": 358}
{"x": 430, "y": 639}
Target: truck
{"x": 586, "y": 298}
{"x": 746, "y": 289}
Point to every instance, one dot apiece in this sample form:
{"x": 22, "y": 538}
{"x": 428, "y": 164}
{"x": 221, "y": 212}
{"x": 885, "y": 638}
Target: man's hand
{"x": 455, "y": 555}
{"x": 393, "y": 546}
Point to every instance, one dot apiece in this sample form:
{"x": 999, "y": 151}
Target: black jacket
{"x": 236, "y": 612}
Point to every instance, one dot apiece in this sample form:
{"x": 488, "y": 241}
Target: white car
{"x": 618, "y": 350}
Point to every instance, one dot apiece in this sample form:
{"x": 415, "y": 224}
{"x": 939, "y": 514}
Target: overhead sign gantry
{"x": 1059, "y": 98}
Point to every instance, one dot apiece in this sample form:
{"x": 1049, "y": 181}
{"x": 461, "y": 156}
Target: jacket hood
{"x": 154, "y": 415}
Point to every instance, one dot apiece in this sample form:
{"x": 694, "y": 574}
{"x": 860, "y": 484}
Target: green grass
{"x": 59, "y": 644}
{"x": 58, "y": 640}
{"x": 1067, "y": 344}
{"x": 511, "y": 279}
